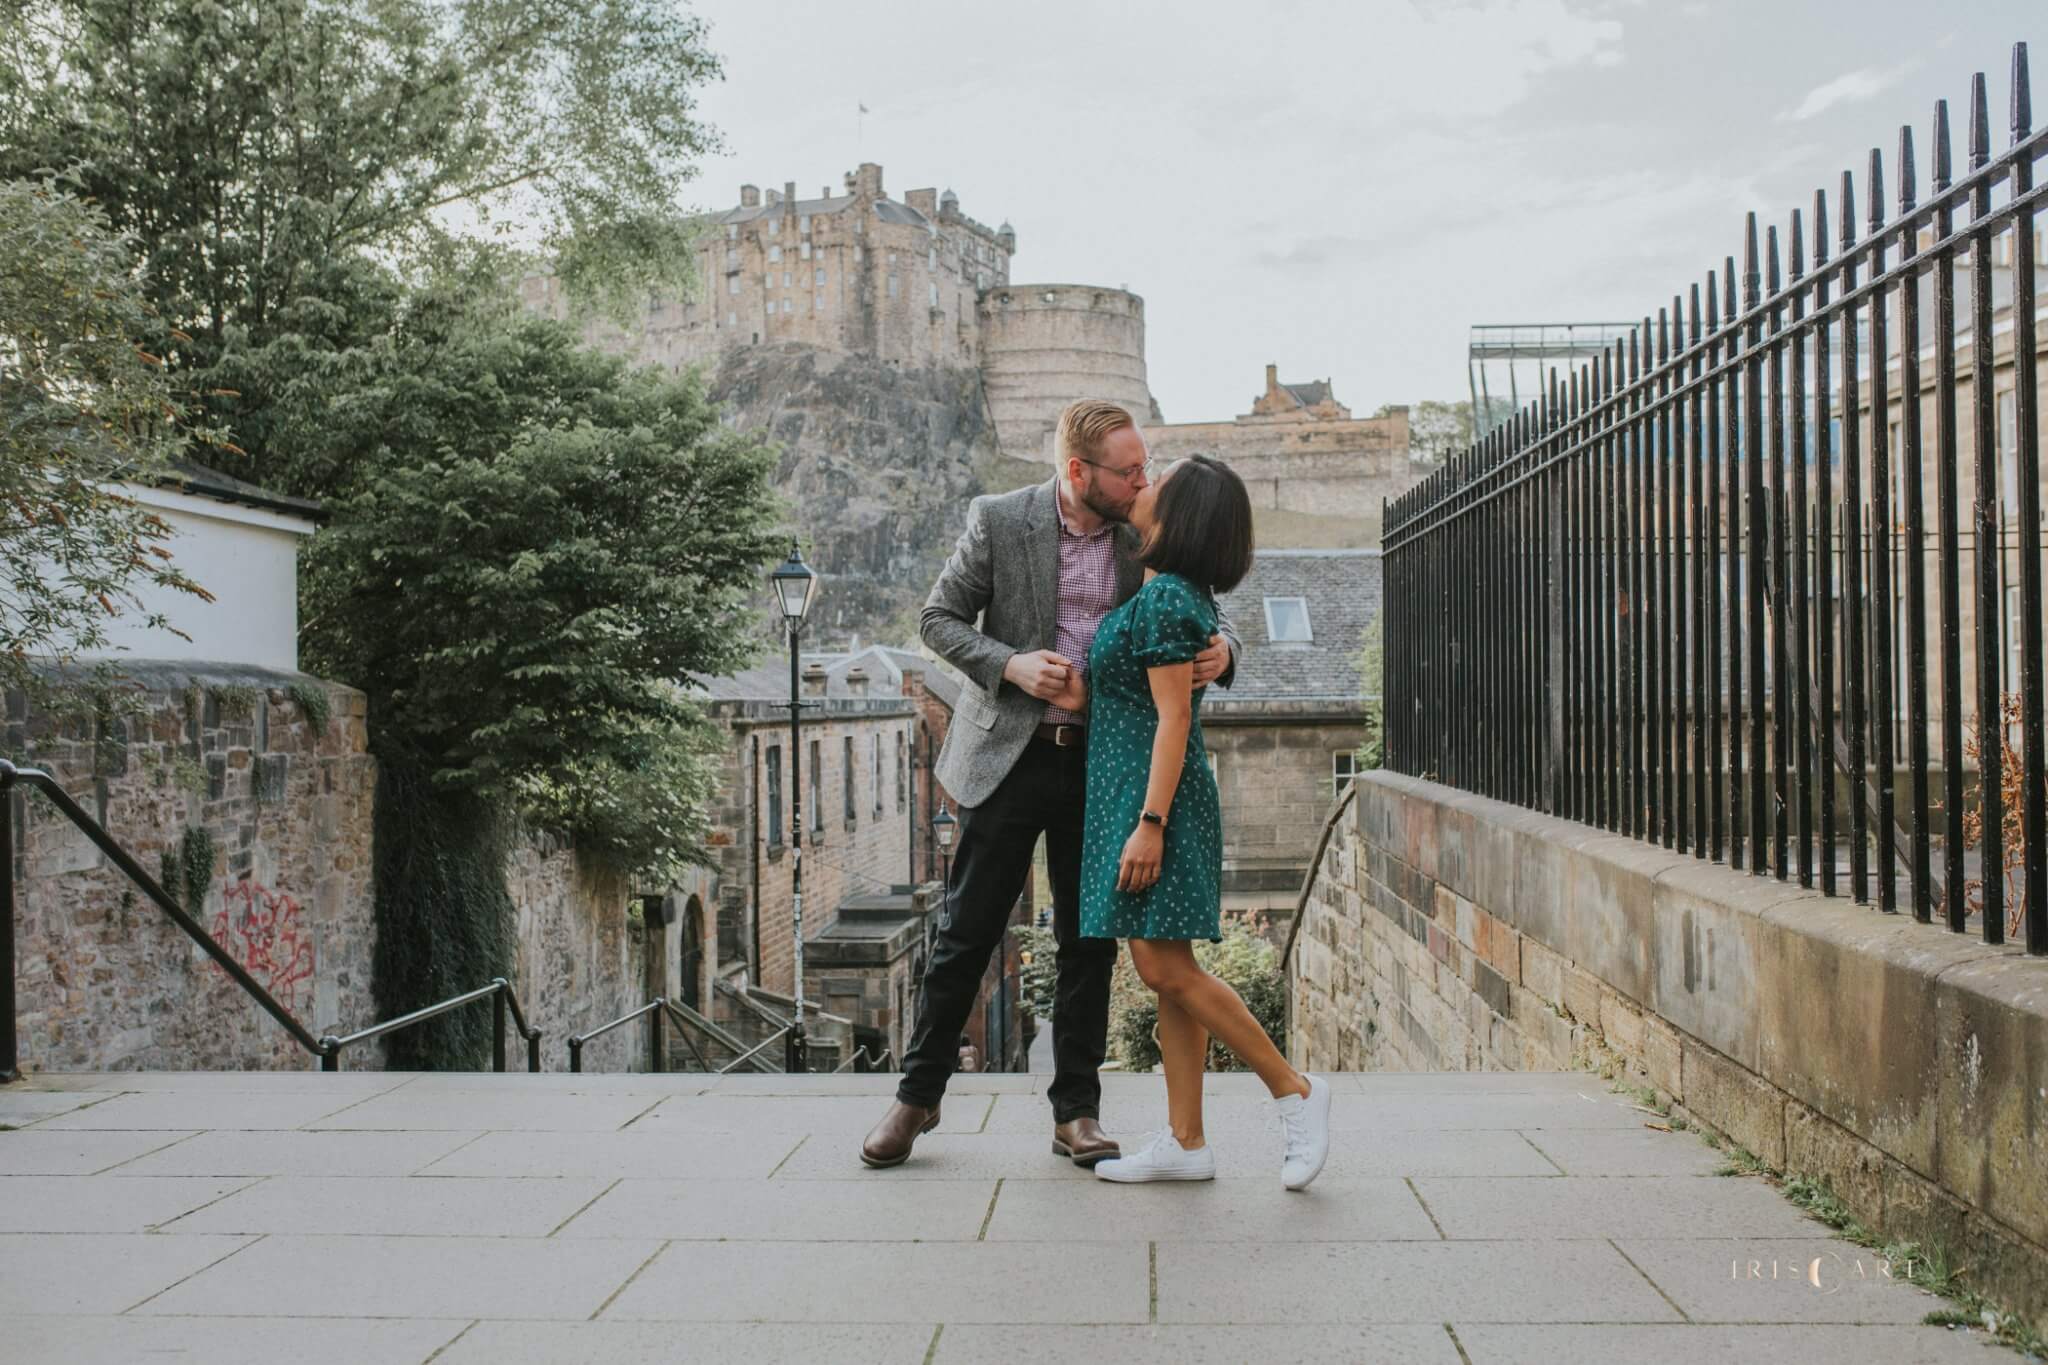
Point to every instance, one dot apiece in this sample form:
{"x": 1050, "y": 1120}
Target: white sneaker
{"x": 1163, "y": 1158}
{"x": 1306, "y": 1122}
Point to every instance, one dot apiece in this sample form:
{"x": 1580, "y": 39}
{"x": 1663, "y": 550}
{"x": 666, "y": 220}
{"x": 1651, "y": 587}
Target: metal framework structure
{"x": 1542, "y": 344}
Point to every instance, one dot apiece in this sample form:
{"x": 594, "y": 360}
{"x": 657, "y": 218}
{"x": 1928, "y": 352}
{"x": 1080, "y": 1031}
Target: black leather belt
{"x": 1064, "y": 736}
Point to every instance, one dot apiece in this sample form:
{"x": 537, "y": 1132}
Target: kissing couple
{"x": 1082, "y": 613}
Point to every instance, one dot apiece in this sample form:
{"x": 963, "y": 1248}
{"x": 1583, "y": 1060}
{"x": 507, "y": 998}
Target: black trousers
{"x": 1042, "y": 795}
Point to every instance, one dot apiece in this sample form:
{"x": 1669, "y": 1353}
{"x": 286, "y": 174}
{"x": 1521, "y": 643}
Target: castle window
{"x": 803, "y": 222}
{"x": 803, "y": 251}
{"x": 821, "y": 301}
{"x": 787, "y": 304}
{"x": 785, "y": 279}
{"x": 932, "y": 259}
{"x": 732, "y": 319}
{"x": 732, "y": 232}
{"x": 732, "y": 258}
{"x": 774, "y": 253}
{"x": 820, "y": 275}
{"x": 935, "y": 294}
{"x": 732, "y": 284}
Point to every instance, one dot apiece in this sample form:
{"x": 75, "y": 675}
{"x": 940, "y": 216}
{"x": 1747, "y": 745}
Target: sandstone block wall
{"x": 1906, "y": 1065}
{"x": 106, "y": 981}
{"x": 1045, "y": 345}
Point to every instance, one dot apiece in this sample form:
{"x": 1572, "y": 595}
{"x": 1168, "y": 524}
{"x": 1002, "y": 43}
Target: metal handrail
{"x": 656, "y": 1061}
{"x": 875, "y": 1061}
{"x": 503, "y": 999}
{"x": 772, "y": 1038}
{"x": 12, "y": 776}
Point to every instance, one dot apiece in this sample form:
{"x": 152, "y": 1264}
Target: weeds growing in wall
{"x": 445, "y": 919}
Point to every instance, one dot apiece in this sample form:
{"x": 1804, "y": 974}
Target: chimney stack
{"x": 814, "y": 680}
{"x": 1272, "y": 379}
{"x": 750, "y": 196}
{"x": 857, "y": 681}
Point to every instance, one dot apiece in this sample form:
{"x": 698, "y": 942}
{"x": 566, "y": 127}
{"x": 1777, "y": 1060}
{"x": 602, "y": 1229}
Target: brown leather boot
{"x": 1084, "y": 1141}
{"x": 889, "y": 1144}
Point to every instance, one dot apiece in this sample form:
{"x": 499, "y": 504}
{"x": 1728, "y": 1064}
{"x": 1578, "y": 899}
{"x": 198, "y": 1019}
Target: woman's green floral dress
{"x": 1168, "y": 621}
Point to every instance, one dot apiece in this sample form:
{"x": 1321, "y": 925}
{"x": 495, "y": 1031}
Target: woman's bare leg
{"x": 1184, "y": 1048}
{"x": 1168, "y": 966}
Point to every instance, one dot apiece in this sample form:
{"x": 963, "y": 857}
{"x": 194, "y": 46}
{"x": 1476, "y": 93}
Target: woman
{"x": 1152, "y": 851}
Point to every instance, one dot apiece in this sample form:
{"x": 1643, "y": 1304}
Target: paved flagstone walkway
{"x": 501, "y": 1219}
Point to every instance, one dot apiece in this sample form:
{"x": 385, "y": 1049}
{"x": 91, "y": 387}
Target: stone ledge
{"x": 1907, "y": 1065}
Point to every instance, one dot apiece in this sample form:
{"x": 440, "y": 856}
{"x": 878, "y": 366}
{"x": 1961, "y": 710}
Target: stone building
{"x": 1284, "y": 736}
{"x": 248, "y": 790}
{"x": 1300, "y": 450}
{"x": 914, "y": 283}
{"x": 872, "y": 726}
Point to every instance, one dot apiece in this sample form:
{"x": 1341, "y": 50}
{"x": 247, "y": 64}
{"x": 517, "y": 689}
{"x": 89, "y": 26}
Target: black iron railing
{"x": 691, "y": 1027}
{"x": 328, "y": 1048}
{"x": 1661, "y": 598}
{"x": 36, "y": 780}
{"x": 502, "y": 999}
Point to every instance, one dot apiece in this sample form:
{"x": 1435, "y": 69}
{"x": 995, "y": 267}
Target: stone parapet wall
{"x": 282, "y": 812}
{"x": 222, "y": 766}
{"x": 1905, "y": 1065}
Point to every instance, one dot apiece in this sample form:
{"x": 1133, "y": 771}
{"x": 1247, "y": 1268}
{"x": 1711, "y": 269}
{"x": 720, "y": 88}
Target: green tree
{"x": 550, "y": 546}
{"x": 84, "y": 409}
{"x": 282, "y": 163}
{"x": 1437, "y": 431}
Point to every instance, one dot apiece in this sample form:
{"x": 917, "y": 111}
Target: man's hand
{"x": 1072, "y": 698}
{"x": 1211, "y": 662}
{"x": 1041, "y": 673}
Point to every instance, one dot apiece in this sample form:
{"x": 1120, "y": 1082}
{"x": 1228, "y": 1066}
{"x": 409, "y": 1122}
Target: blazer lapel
{"x": 1042, "y": 547}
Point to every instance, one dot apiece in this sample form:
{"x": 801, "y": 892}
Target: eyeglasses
{"x": 1150, "y": 469}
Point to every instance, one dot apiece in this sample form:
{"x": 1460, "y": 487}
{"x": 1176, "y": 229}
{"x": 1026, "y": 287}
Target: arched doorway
{"x": 692, "y": 965}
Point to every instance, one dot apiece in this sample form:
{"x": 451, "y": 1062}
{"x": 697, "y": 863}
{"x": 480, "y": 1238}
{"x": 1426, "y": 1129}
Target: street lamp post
{"x": 943, "y": 828}
{"x": 795, "y": 588}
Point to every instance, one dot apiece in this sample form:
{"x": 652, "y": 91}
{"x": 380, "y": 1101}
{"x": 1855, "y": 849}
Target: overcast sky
{"x": 1344, "y": 188}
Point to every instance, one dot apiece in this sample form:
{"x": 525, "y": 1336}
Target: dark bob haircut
{"x": 1201, "y": 525}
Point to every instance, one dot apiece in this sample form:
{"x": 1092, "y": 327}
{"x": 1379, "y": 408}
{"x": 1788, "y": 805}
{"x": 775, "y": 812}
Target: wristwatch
{"x": 1151, "y": 818}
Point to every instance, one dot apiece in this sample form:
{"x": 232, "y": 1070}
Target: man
{"x": 1038, "y": 569}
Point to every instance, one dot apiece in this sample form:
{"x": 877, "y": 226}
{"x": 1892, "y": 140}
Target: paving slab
{"x": 1646, "y": 1151}
{"x": 1611, "y": 1206}
{"x": 1429, "y": 1282}
{"x": 354, "y": 1084}
{"x": 890, "y": 1282}
{"x": 226, "y": 1341}
{"x": 1577, "y": 1343}
{"x": 504, "y": 1110}
{"x": 42, "y": 1151}
{"x": 805, "y": 1211}
{"x": 70, "y": 1203}
{"x": 19, "y": 1108}
{"x": 612, "y": 1156}
{"x": 1330, "y": 1210}
{"x": 298, "y": 1153}
{"x": 409, "y": 1277}
{"x": 1165, "y": 1344}
{"x": 338, "y": 1205}
{"x": 846, "y": 1116}
{"x": 99, "y": 1272}
{"x": 875, "y": 1086}
{"x": 1758, "y": 1279}
{"x": 219, "y": 1109}
{"x": 660, "y": 1343}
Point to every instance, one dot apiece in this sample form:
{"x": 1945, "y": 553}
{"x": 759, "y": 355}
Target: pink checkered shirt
{"x": 1087, "y": 592}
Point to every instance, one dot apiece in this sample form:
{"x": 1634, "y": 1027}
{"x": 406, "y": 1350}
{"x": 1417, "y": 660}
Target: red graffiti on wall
{"x": 261, "y": 928}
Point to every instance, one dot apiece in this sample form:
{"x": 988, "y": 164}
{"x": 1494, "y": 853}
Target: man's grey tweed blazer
{"x": 1005, "y": 573}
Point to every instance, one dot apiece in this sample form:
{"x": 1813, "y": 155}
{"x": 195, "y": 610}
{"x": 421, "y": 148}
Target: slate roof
{"x": 884, "y": 665}
{"x": 1343, "y": 593}
{"x": 1310, "y": 394}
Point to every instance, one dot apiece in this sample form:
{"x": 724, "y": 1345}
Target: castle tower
{"x": 1044, "y": 345}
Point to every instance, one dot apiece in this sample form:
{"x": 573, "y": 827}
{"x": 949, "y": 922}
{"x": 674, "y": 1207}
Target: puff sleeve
{"x": 1170, "y": 623}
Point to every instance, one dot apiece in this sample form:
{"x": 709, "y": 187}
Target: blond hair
{"x": 1084, "y": 426}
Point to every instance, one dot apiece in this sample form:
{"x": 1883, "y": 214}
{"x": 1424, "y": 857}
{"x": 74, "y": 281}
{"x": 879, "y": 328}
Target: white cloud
{"x": 1863, "y": 84}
